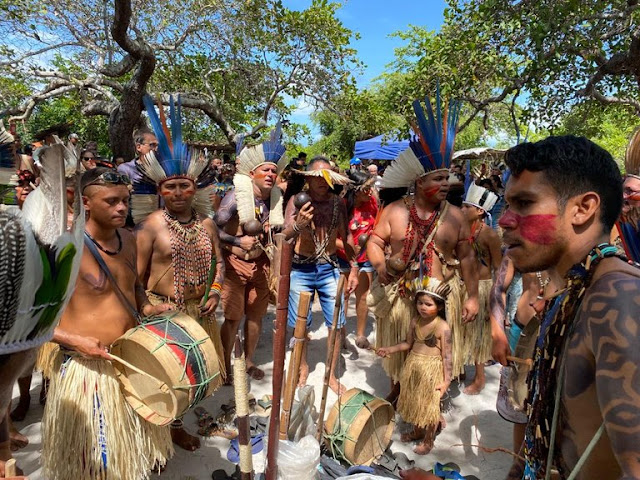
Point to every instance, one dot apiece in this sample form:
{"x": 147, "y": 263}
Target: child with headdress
{"x": 426, "y": 373}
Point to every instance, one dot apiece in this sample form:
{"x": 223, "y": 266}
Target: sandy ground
{"x": 471, "y": 421}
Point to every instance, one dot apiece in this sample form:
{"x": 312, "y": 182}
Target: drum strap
{"x": 103, "y": 266}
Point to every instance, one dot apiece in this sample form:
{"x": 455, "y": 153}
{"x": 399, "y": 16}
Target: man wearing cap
{"x": 425, "y": 236}
{"x": 255, "y": 198}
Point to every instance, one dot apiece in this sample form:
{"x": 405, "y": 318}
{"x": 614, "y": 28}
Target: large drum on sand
{"x": 170, "y": 364}
{"x": 359, "y": 427}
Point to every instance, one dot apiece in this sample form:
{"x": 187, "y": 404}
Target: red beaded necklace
{"x": 422, "y": 228}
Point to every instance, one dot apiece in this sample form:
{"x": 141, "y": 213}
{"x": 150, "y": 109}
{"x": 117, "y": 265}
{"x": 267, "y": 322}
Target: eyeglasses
{"x": 88, "y": 158}
{"x": 110, "y": 177}
{"x": 152, "y": 144}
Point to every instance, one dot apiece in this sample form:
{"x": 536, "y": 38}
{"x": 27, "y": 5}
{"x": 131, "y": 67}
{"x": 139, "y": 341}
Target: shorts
{"x": 323, "y": 278}
{"x": 246, "y": 284}
{"x": 344, "y": 266}
{"x": 365, "y": 267}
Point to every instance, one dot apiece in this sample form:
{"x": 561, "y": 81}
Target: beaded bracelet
{"x": 216, "y": 288}
{"x": 296, "y": 228}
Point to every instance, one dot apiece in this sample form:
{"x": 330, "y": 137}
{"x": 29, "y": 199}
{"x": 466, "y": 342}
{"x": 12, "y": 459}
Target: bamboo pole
{"x": 279, "y": 341}
{"x": 331, "y": 345}
{"x": 242, "y": 411}
{"x": 293, "y": 373}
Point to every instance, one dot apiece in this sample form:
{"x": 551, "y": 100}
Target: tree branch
{"x": 38, "y": 52}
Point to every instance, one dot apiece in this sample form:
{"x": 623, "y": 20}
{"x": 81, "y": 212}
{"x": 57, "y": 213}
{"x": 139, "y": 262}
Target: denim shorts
{"x": 365, "y": 267}
{"x": 322, "y": 278}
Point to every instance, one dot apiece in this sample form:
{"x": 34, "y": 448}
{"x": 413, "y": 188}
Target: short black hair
{"x": 91, "y": 176}
{"x": 438, "y": 301}
{"x": 573, "y": 166}
{"x": 301, "y": 155}
{"x": 318, "y": 159}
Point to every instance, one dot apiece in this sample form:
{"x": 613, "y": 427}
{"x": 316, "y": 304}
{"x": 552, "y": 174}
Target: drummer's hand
{"x": 209, "y": 308}
{"x": 150, "y": 310}
{"x": 90, "y": 347}
{"x": 417, "y": 474}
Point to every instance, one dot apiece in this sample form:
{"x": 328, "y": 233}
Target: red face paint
{"x": 430, "y": 192}
{"x": 538, "y": 229}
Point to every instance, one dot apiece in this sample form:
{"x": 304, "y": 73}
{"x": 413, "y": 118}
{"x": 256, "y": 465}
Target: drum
{"x": 359, "y": 427}
{"x": 168, "y": 365}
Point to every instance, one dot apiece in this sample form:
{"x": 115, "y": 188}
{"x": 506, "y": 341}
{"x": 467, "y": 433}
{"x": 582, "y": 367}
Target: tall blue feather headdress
{"x": 432, "y": 145}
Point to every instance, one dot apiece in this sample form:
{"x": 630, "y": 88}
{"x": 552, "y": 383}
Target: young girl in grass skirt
{"x": 426, "y": 373}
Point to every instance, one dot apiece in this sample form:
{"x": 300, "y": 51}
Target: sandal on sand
{"x": 363, "y": 342}
{"x": 257, "y": 445}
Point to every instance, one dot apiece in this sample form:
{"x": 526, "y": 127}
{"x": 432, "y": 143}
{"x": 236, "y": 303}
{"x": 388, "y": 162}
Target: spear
{"x": 279, "y": 341}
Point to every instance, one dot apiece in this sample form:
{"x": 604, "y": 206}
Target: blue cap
{"x": 355, "y": 161}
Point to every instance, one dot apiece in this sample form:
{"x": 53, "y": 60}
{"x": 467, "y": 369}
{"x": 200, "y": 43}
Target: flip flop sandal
{"x": 447, "y": 471}
{"x": 233, "y": 454}
{"x": 360, "y": 469}
{"x": 263, "y": 406}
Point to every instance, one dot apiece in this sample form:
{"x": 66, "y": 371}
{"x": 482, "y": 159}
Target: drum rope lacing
{"x": 190, "y": 349}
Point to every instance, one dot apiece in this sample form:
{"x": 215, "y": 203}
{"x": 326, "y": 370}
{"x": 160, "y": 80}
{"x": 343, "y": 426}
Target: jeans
{"x": 322, "y": 278}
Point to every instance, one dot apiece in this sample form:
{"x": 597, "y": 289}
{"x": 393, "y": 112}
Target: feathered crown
{"x": 174, "y": 159}
{"x": 248, "y": 159}
{"x": 480, "y": 197}
{"x": 433, "y": 287}
{"x": 431, "y": 148}
{"x": 632, "y": 156}
{"x": 331, "y": 177}
{"x": 269, "y": 151}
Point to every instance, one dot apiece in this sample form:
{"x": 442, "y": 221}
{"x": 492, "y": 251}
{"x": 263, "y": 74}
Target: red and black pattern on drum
{"x": 176, "y": 338}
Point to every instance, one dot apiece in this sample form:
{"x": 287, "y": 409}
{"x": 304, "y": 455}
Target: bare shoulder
{"x": 443, "y": 328}
{"x": 395, "y": 207}
{"x": 153, "y": 222}
{"x": 455, "y": 213}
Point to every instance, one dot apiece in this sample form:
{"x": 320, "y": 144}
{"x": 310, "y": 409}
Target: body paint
{"x": 538, "y": 229}
{"x": 431, "y": 192}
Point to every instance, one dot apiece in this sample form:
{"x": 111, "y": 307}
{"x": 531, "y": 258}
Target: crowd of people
{"x": 531, "y": 263}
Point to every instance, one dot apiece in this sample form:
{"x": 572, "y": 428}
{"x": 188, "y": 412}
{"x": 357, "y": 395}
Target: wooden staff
{"x": 294, "y": 362}
{"x": 331, "y": 345}
{"x": 242, "y": 411}
{"x": 279, "y": 343}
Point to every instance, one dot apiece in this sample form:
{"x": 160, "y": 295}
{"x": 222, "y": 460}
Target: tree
{"x": 234, "y": 62}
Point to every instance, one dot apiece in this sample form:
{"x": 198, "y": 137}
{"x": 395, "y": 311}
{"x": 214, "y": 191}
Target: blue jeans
{"x": 322, "y": 278}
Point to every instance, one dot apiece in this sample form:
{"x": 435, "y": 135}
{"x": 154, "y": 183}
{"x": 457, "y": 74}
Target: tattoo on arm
{"x": 611, "y": 311}
{"x": 497, "y": 307}
{"x": 228, "y": 208}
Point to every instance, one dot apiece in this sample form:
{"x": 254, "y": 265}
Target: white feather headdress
{"x": 248, "y": 159}
{"x": 480, "y": 197}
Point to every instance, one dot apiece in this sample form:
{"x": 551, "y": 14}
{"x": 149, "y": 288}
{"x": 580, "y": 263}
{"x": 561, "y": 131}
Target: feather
{"x": 403, "y": 170}
{"x": 467, "y": 176}
{"x": 239, "y": 143}
{"x": 159, "y": 127}
{"x": 327, "y": 177}
{"x": 244, "y": 197}
{"x": 12, "y": 249}
{"x": 273, "y": 149}
{"x": 142, "y": 205}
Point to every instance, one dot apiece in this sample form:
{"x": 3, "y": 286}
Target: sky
{"x": 375, "y": 20}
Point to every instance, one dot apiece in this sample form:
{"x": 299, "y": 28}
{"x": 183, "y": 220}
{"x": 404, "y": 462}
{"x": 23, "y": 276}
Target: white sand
{"x": 472, "y": 421}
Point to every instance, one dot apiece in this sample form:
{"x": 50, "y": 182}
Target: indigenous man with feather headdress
{"x": 424, "y": 235}
{"x": 178, "y": 245}
{"x": 246, "y": 218}
{"x": 315, "y": 227}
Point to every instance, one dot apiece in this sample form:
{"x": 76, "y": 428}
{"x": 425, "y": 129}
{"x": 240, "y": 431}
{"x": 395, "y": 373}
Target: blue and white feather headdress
{"x": 248, "y": 159}
{"x": 431, "y": 148}
{"x": 173, "y": 159}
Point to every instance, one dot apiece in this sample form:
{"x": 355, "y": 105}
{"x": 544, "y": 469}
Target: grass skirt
{"x": 210, "y": 324}
{"x": 472, "y": 341}
{"x": 89, "y": 431}
{"x": 393, "y": 317}
{"x": 46, "y": 358}
{"x": 419, "y": 403}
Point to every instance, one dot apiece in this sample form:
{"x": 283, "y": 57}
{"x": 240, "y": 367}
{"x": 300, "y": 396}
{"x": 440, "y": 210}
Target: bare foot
{"x": 336, "y": 386}
{"x": 255, "y": 373}
{"x": 18, "y": 440}
{"x": 423, "y": 448}
{"x": 441, "y": 425}
{"x": 18, "y": 413}
{"x": 184, "y": 440}
{"x": 304, "y": 374}
{"x": 474, "y": 388}
{"x": 228, "y": 381}
{"x": 413, "y": 435}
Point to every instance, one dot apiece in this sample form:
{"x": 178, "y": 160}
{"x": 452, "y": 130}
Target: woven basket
{"x": 169, "y": 365}
{"x": 359, "y": 427}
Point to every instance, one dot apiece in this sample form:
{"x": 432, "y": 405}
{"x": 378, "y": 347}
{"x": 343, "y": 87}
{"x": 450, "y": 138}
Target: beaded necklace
{"x": 191, "y": 252}
{"x": 557, "y": 325}
{"x": 422, "y": 228}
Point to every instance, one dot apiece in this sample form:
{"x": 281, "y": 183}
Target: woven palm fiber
{"x": 419, "y": 403}
{"x": 359, "y": 427}
{"x": 170, "y": 350}
{"x": 90, "y": 432}
{"x": 472, "y": 341}
{"x": 46, "y": 356}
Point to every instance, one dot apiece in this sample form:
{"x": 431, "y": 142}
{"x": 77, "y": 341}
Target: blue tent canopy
{"x": 380, "y": 148}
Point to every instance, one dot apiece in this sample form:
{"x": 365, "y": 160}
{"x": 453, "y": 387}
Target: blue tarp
{"x": 380, "y": 148}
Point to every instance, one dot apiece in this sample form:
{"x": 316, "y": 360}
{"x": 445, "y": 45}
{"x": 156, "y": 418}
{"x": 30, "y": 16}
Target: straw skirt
{"x": 419, "y": 402}
{"x": 89, "y": 431}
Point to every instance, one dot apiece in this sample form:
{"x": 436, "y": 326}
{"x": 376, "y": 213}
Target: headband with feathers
{"x": 632, "y": 156}
{"x": 480, "y": 197}
{"x": 173, "y": 159}
{"x": 331, "y": 177}
{"x": 431, "y": 148}
{"x": 248, "y": 159}
{"x": 433, "y": 287}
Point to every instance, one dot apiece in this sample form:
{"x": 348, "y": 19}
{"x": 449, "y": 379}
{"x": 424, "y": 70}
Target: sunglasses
{"x": 110, "y": 177}
{"x": 88, "y": 158}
